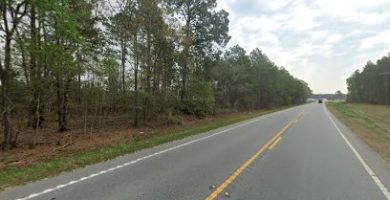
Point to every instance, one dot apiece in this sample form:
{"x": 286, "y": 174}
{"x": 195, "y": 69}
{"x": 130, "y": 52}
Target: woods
{"x": 74, "y": 64}
{"x": 369, "y": 85}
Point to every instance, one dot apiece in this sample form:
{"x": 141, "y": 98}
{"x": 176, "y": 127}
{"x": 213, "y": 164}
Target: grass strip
{"x": 370, "y": 122}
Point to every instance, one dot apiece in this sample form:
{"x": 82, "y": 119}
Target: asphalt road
{"x": 302, "y": 153}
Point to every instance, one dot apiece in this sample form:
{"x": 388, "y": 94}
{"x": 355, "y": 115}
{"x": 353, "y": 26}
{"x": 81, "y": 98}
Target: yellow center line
{"x": 273, "y": 145}
{"x": 272, "y": 142}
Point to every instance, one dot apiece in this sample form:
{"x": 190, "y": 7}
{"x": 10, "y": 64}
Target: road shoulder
{"x": 372, "y": 158}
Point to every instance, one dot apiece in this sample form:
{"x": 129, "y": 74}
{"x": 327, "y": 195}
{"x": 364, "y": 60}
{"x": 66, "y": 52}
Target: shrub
{"x": 200, "y": 100}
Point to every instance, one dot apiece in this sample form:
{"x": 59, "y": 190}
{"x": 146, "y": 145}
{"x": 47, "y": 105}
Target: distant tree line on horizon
{"x": 338, "y": 96}
{"x": 75, "y": 64}
{"x": 369, "y": 85}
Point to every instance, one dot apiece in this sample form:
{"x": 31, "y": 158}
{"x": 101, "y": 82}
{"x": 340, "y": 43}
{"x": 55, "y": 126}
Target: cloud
{"x": 302, "y": 18}
{"x": 320, "y": 41}
{"x": 373, "y": 41}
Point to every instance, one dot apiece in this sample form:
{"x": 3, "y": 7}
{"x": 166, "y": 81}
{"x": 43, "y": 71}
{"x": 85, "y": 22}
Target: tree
{"x": 86, "y": 21}
{"x": 203, "y": 26}
{"x": 12, "y": 12}
{"x": 111, "y": 71}
{"x": 339, "y": 95}
{"x": 233, "y": 78}
{"x": 369, "y": 86}
{"x": 246, "y": 82}
{"x": 65, "y": 42}
{"x": 156, "y": 51}
{"x": 36, "y": 109}
{"x": 122, "y": 26}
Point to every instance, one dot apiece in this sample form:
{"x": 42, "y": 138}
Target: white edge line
{"x": 374, "y": 177}
{"x": 61, "y": 186}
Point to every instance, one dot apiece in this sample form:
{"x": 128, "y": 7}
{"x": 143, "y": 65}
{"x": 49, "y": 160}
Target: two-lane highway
{"x": 297, "y": 154}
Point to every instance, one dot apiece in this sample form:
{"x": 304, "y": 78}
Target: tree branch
{"x": 17, "y": 15}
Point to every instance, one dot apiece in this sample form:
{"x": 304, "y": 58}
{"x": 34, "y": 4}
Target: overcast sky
{"x": 319, "y": 41}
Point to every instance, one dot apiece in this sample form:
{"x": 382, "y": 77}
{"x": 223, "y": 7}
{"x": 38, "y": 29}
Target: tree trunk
{"x": 24, "y": 60}
{"x": 136, "y": 80}
{"x": 157, "y": 72}
{"x": 186, "y": 54}
{"x": 62, "y": 103}
{"x": 79, "y": 86}
{"x": 148, "y": 60}
{"x": 184, "y": 79}
{"x": 9, "y": 138}
{"x": 123, "y": 62}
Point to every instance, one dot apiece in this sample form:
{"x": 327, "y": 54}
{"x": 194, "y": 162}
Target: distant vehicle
{"x": 319, "y": 100}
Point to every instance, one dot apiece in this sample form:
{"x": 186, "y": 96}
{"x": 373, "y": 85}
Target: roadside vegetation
{"x": 59, "y": 161}
{"x": 93, "y": 64}
{"x": 365, "y": 113}
{"x": 370, "y": 122}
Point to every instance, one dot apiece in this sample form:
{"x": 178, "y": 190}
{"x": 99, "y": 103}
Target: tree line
{"x": 78, "y": 62}
{"x": 369, "y": 85}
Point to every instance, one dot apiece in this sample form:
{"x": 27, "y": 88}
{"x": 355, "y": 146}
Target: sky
{"x": 320, "y": 41}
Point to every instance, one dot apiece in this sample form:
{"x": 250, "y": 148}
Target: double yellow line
{"x": 269, "y": 145}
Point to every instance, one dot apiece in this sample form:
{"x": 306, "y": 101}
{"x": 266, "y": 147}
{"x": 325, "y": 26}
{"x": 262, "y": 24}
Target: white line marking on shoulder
{"x": 61, "y": 186}
{"x": 360, "y": 158}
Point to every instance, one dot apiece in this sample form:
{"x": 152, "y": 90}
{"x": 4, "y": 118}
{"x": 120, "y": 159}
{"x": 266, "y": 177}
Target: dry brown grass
{"x": 369, "y": 122}
{"x": 46, "y": 144}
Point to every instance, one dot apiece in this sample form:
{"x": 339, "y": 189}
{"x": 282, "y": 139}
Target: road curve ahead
{"x": 296, "y": 154}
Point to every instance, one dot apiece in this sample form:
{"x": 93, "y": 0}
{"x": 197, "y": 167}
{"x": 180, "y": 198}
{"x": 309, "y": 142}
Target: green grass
{"x": 20, "y": 175}
{"x": 369, "y": 122}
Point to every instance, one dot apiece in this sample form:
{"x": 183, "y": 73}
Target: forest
{"x": 74, "y": 64}
{"x": 369, "y": 85}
